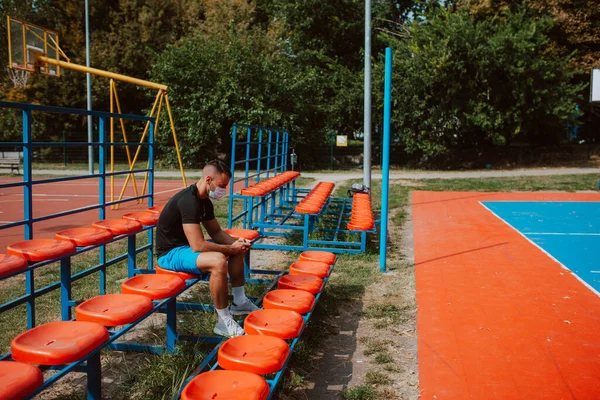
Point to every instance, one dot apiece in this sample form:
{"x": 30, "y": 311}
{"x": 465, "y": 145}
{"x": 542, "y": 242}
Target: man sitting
{"x": 181, "y": 246}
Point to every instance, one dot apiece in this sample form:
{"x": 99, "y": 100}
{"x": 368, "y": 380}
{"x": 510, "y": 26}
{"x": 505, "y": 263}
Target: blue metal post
{"x": 28, "y": 211}
{"x": 65, "y": 288}
{"x": 385, "y": 166}
{"x": 233, "y": 144}
{"x": 269, "y": 153}
{"x": 27, "y": 176}
{"x": 131, "y": 262}
{"x": 102, "y": 191}
{"x": 171, "y": 307}
{"x": 306, "y": 231}
{"x": 276, "y": 152}
{"x": 247, "y": 220}
{"x": 258, "y": 171}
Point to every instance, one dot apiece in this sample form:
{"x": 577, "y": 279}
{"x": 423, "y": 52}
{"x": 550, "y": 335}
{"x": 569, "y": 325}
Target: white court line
{"x": 92, "y": 196}
{"x": 543, "y": 251}
{"x": 20, "y": 201}
{"x": 562, "y": 233}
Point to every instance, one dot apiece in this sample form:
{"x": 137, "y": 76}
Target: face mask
{"x": 217, "y": 194}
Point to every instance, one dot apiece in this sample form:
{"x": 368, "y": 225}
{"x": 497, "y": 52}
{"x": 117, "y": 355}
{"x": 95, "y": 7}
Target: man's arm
{"x": 197, "y": 242}
{"x": 216, "y": 233}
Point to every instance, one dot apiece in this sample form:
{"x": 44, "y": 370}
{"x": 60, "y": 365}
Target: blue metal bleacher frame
{"x": 28, "y": 184}
{"x": 90, "y": 364}
{"x": 273, "y": 214}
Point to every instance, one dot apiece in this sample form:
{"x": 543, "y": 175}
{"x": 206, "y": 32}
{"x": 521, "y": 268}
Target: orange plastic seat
{"x": 289, "y": 299}
{"x": 113, "y": 309}
{"x": 18, "y": 379}
{"x": 156, "y": 209}
{"x": 252, "y": 353}
{"x": 360, "y": 226}
{"x": 308, "y": 283}
{"x": 82, "y": 237}
{"x": 361, "y": 219}
{"x": 248, "y": 234}
{"x": 155, "y": 286}
{"x": 41, "y": 249}
{"x": 253, "y": 191}
{"x": 118, "y": 226}
{"x": 308, "y": 208}
{"x": 10, "y": 264}
{"x": 146, "y": 218}
{"x": 322, "y": 256}
{"x": 226, "y": 385}
{"x": 183, "y": 275}
{"x": 57, "y": 343}
{"x": 315, "y": 268}
{"x": 284, "y": 324}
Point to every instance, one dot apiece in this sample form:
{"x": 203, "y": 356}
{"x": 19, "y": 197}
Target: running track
{"x": 498, "y": 318}
{"x": 62, "y": 196}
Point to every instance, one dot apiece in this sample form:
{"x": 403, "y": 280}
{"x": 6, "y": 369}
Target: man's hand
{"x": 240, "y": 246}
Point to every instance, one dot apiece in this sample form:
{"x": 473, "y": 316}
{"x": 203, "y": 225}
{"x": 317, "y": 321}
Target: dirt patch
{"x": 372, "y": 350}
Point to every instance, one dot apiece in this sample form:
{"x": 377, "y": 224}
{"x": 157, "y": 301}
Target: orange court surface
{"x": 498, "y": 318}
{"x": 57, "y": 197}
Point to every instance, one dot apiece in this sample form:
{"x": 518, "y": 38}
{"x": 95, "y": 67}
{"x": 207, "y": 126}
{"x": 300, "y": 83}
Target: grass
{"x": 359, "y": 393}
{"x": 374, "y": 378}
{"x": 374, "y": 346}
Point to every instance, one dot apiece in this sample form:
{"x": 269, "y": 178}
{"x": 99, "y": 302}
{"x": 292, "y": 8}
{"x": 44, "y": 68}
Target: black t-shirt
{"x": 183, "y": 208}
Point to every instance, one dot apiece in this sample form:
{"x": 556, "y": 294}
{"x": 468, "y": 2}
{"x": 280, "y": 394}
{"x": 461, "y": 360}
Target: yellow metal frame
{"x": 161, "y": 98}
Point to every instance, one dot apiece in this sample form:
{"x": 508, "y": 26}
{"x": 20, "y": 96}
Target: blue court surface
{"x": 567, "y": 231}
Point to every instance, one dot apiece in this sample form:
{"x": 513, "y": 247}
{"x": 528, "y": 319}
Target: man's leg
{"x": 241, "y": 304}
{"x": 236, "y": 269}
{"x": 215, "y": 264}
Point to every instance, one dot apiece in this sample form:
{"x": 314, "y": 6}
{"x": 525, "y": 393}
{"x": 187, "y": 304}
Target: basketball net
{"x": 18, "y": 77}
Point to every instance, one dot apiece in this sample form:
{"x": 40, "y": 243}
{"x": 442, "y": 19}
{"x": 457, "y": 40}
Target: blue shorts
{"x": 180, "y": 259}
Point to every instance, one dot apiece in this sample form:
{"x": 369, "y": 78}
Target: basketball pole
{"x": 89, "y": 89}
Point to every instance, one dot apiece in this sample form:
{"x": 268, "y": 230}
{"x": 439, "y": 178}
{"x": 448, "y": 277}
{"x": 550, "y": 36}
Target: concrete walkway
{"x": 357, "y": 174}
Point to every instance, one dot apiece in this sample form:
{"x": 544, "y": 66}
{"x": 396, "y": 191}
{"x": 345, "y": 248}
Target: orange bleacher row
{"x": 264, "y": 350}
{"x": 64, "y": 342}
{"x": 268, "y": 185}
{"x": 316, "y": 199}
{"x": 66, "y": 241}
{"x": 362, "y": 213}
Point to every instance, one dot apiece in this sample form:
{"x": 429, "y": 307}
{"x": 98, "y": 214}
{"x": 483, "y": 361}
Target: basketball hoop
{"x": 18, "y": 77}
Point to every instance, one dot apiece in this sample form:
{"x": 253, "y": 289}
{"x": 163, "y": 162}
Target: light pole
{"x": 367, "y": 104}
{"x": 89, "y": 89}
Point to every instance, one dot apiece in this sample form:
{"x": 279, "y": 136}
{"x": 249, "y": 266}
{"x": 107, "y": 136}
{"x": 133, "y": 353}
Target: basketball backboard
{"x": 25, "y": 40}
{"x": 595, "y": 86}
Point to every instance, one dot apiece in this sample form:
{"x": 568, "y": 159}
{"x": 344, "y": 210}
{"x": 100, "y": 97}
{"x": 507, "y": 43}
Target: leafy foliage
{"x": 460, "y": 82}
{"x": 468, "y": 73}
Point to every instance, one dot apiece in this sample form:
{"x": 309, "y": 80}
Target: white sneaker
{"x": 228, "y": 327}
{"x": 244, "y": 308}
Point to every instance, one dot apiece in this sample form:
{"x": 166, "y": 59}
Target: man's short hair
{"x": 220, "y": 166}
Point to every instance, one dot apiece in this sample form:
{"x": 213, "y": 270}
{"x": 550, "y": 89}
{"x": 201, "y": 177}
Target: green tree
{"x": 463, "y": 83}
